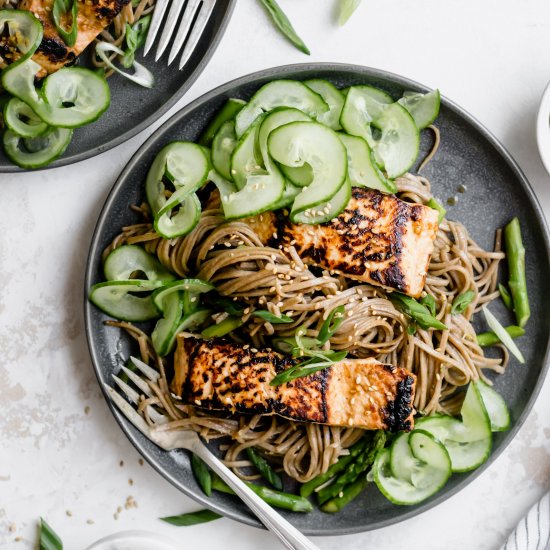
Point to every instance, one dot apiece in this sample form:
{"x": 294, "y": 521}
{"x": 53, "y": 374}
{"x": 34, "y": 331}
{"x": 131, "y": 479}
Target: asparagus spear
{"x": 362, "y": 463}
{"x": 202, "y": 474}
{"x": 346, "y": 496}
{"x": 278, "y": 499}
{"x": 268, "y": 473}
{"x": 516, "y": 266}
{"x": 485, "y": 339}
{"x": 307, "y": 488}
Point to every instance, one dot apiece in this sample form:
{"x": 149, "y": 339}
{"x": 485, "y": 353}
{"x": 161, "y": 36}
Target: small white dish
{"x": 543, "y": 129}
{"x": 134, "y": 540}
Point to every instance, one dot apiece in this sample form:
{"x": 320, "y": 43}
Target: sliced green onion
{"x": 503, "y": 336}
{"x": 142, "y": 76}
{"x": 329, "y": 327}
{"x": 49, "y": 540}
{"x": 346, "y": 8}
{"x": 192, "y": 518}
{"x": 271, "y": 318}
{"x": 62, "y": 8}
{"x": 462, "y": 301}
{"x": 135, "y": 38}
{"x": 261, "y": 464}
{"x": 221, "y": 329}
{"x": 202, "y": 474}
{"x": 226, "y": 304}
{"x": 417, "y": 311}
{"x": 429, "y": 302}
{"x": 432, "y": 203}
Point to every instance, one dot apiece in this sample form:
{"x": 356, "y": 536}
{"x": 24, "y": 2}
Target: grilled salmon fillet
{"x": 378, "y": 239}
{"x": 363, "y": 393}
{"x": 93, "y": 17}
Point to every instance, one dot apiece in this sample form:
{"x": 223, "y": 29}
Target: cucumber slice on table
{"x": 499, "y": 415}
{"x": 164, "y": 332}
{"x": 300, "y": 176}
{"x": 37, "y": 151}
{"x": 363, "y": 105}
{"x": 22, "y": 120}
{"x": 398, "y": 146}
{"x": 424, "y": 108}
{"x": 246, "y": 159}
{"x": 298, "y": 143}
{"x": 185, "y": 164}
{"x": 69, "y": 98}
{"x": 192, "y": 286}
{"x": 333, "y": 97}
{"x": 228, "y": 112}
{"x": 280, "y": 93}
{"x": 223, "y": 145}
{"x": 426, "y": 468}
{"x": 130, "y": 258}
{"x": 362, "y": 168}
{"x": 117, "y": 299}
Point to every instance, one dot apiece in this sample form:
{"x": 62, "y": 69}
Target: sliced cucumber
{"x": 185, "y": 164}
{"x": 474, "y": 416}
{"x": 496, "y": 407}
{"x": 25, "y": 32}
{"x": 424, "y": 108}
{"x": 192, "y": 286}
{"x": 125, "y": 260}
{"x": 173, "y": 222}
{"x": 246, "y": 159}
{"x": 324, "y": 212}
{"x": 363, "y": 105}
{"x": 300, "y": 176}
{"x": 402, "y": 462}
{"x": 223, "y": 145}
{"x": 280, "y": 93}
{"x": 426, "y": 463}
{"x": 189, "y": 322}
{"x": 289, "y": 194}
{"x": 164, "y": 332}
{"x": 399, "y": 144}
{"x": 22, "y": 120}
{"x": 37, "y": 151}
{"x": 228, "y": 112}
{"x": 261, "y": 193}
{"x": 116, "y": 298}
{"x": 333, "y": 97}
{"x": 362, "y": 168}
{"x": 298, "y": 143}
{"x": 465, "y": 455}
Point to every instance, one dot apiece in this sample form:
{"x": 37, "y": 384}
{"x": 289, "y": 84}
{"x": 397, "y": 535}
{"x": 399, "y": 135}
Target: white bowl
{"x": 134, "y": 540}
{"x": 543, "y": 128}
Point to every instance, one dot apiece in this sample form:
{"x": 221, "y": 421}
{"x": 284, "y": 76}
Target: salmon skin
{"x": 377, "y": 239}
{"x": 361, "y": 393}
{"x": 93, "y": 17}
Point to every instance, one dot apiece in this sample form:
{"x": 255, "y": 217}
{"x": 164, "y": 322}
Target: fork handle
{"x": 287, "y": 533}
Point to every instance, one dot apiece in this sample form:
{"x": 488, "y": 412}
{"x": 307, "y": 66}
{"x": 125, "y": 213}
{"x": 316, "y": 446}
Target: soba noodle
{"x": 231, "y": 255}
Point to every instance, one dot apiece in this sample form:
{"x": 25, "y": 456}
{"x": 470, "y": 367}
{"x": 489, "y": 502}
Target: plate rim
{"x": 151, "y": 119}
{"x": 277, "y": 73}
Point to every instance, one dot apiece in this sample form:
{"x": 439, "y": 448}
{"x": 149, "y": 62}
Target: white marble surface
{"x": 59, "y": 447}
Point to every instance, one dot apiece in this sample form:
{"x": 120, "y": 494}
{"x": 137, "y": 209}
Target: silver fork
{"x": 189, "y": 440}
{"x": 194, "y": 16}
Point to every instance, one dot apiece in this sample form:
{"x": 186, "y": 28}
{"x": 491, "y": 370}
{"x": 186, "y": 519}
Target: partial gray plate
{"x": 134, "y": 108}
{"x": 496, "y": 191}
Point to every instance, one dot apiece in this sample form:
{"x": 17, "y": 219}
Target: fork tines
{"x": 183, "y": 26}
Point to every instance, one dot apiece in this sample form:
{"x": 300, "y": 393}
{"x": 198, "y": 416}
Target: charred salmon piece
{"x": 361, "y": 393}
{"x": 93, "y": 17}
{"x": 378, "y": 239}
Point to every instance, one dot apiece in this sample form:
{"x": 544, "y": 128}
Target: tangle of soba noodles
{"x": 231, "y": 255}
{"x": 116, "y": 32}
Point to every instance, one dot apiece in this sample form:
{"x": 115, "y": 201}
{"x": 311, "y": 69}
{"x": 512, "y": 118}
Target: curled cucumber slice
{"x": 223, "y": 146}
{"x": 69, "y": 98}
{"x": 120, "y": 299}
{"x": 499, "y": 415}
{"x": 192, "y": 286}
{"x": 225, "y": 114}
{"x": 246, "y": 159}
{"x": 174, "y": 221}
{"x": 422, "y": 464}
{"x": 424, "y": 108}
{"x": 25, "y": 32}
{"x": 163, "y": 334}
{"x": 22, "y": 120}
{"x": 333, "y": 97}
{"x": 127, "y": 260}
{"x": 37, "y": 151}
{"x": 280, "y": 93}
{"x": 298, "y": 143}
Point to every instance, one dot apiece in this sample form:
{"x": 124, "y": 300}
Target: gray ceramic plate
{"x": 496, "y": 191}
{"x": 134, "y": 108}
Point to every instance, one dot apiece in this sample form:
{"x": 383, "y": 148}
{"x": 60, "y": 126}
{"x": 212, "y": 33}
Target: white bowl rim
{"x": 543, "y": 128}
{"x": 135, "y": 535}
